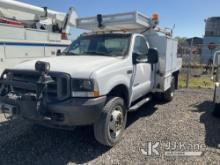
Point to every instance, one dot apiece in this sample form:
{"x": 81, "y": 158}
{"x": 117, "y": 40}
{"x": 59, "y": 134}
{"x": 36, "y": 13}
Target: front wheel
{"x": 109, "y": 128}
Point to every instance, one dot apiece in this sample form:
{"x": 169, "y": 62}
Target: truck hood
{"x": 76, "y": 66}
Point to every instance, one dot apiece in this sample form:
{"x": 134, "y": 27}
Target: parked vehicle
{"x": 28, "y": 32}
{"x": 216, "y": 99}
{"x": 98, "y": 79}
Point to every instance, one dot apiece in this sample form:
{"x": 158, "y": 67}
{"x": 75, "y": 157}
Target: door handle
{"x": 129, "y": 71}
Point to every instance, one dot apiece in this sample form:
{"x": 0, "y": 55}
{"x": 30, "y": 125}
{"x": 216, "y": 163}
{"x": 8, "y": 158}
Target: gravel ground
{"x": 186, "y": 121}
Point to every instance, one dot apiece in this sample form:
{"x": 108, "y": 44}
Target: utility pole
{"x": 189, "y": 64}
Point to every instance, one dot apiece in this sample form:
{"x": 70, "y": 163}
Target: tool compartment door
{"x": 23, "y": 50}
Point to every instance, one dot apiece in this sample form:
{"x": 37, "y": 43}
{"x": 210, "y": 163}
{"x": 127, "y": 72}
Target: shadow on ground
{"x": 145, "y": 111}
{"x": 211, "y": 123}
{"x": 39, "y": 145}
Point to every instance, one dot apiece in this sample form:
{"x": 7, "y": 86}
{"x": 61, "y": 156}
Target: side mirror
{"x": 137, "y": 58}
{"x": 59, "y": 52}
{"x": 153, "y": 56}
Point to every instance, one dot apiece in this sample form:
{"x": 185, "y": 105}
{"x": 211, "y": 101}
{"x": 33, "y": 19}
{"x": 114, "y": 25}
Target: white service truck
{"x": 98, "y": 79}
{"x": 216, "y": 99}
{"x": 28, "y": 32}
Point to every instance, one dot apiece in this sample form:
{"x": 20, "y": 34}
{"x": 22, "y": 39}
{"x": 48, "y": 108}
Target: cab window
{"x": 140, "y": 46}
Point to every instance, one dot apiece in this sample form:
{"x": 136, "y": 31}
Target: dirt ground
{"x": 186, "y": 124}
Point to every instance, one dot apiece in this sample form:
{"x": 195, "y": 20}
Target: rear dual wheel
{"x": 169, "y": 94}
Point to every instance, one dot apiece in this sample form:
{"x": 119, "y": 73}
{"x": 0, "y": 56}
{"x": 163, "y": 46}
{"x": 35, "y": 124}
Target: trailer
{"x": 28, "y": 32}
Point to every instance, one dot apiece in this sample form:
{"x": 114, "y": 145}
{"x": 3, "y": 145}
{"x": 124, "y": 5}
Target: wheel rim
{"x": 116, "y": 122}
{"x": 172, "y": 94}
{"x": 172, "y": 89}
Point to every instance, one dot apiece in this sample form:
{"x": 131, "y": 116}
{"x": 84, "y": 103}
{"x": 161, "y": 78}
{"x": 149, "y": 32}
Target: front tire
{"x": 109, "y": 128}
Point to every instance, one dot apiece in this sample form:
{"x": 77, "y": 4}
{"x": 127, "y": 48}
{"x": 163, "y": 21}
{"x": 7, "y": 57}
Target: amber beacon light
{"x": 155, "y": 17}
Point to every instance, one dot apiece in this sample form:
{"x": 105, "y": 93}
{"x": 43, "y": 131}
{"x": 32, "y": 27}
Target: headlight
{"x": 84, "y": 88}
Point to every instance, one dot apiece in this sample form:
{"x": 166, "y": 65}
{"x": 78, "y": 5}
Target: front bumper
{"x": 72, "y": 112}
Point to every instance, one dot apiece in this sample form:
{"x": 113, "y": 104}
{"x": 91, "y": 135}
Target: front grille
{"x": 57, "y": 91}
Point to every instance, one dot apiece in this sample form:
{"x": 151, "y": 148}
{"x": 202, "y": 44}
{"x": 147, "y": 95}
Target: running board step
{"x": 139, "y": 104}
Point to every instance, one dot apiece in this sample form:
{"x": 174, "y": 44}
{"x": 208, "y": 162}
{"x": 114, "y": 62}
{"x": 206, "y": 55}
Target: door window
{"x": 140, "y": 46}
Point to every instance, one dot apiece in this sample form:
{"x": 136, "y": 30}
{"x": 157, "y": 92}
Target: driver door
{"x": 142, "y": 81}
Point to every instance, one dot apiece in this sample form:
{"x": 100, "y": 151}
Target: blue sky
{"x": 187, "y": 15}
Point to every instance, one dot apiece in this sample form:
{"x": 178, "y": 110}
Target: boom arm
{"x": 20, "y": 6}
{"x": 29, "y": 13}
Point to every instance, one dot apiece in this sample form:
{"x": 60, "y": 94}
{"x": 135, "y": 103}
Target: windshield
{"x": 113, "y": 45}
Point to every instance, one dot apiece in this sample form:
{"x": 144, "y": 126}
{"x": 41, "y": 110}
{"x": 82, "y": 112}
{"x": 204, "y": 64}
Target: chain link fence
{"x": 197, "y": 65}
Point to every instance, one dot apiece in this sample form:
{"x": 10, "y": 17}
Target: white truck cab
{"x": 98, "y": 79}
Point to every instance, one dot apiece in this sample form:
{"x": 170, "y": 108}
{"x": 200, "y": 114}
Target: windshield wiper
{"x": 69, "y": 53}
{"x": 96, "y": 53}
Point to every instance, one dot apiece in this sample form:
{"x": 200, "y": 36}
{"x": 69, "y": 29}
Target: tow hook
{"x": 9, "y": 111}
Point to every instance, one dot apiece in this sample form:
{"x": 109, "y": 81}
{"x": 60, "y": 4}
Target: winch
{"x": 13, "y": 101}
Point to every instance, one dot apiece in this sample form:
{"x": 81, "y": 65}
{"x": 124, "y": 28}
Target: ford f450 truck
{"x": 98, "y": 79}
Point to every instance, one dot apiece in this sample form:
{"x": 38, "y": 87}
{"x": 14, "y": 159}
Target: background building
{"x": 212, "y": 37}
{"x": 196, "y": 41}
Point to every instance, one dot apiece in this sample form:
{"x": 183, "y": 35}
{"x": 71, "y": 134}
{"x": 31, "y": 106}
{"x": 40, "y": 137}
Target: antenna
{"x": 173, "y": 28}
